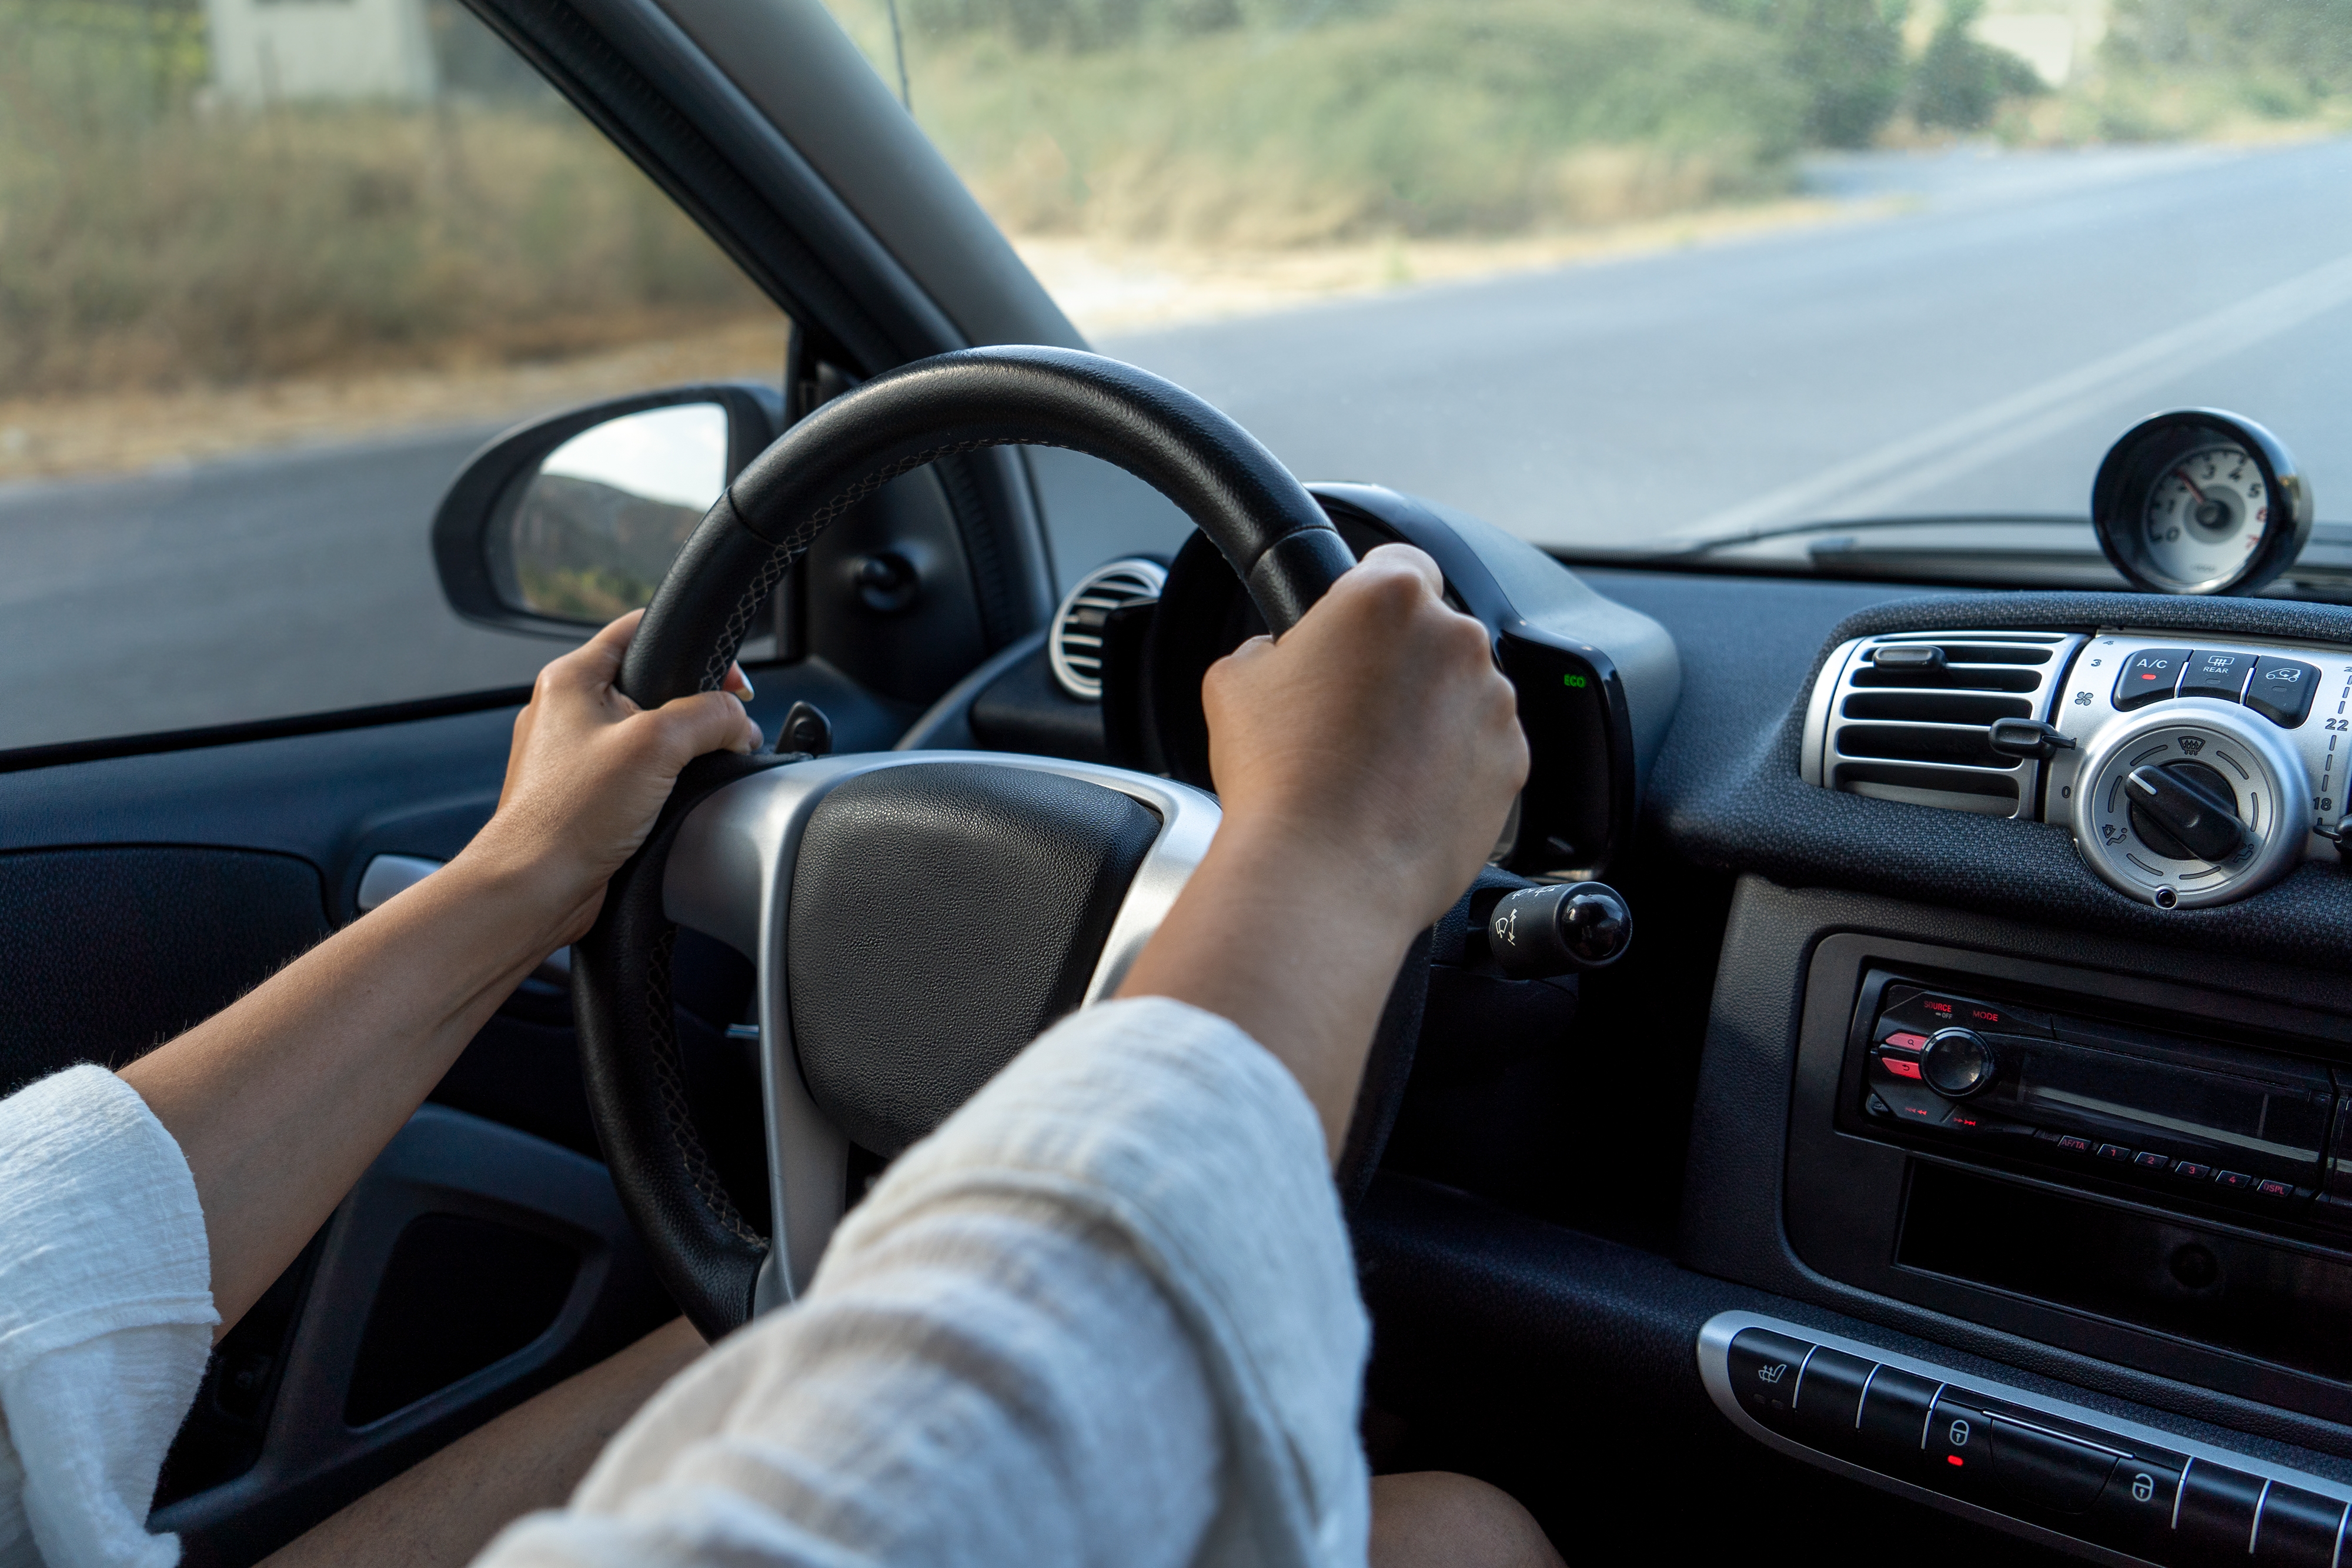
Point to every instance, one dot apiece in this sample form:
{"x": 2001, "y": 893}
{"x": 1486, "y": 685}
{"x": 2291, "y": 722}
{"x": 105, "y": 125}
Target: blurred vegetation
{"x": 2191, "y": 67}
{"x": 149, "y": 237}
{"x": 1959, "y": 82}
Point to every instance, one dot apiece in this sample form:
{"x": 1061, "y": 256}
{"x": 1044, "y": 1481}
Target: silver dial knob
{"x": 2183, "y": 779}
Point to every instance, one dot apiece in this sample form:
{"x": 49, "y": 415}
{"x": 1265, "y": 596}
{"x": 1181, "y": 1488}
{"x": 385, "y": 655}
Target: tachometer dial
{"x": 2200, "y": 502}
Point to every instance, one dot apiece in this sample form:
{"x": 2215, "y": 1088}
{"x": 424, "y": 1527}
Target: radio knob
{"x": 1958, "y": 1063}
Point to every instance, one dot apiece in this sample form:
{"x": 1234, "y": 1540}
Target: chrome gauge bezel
{"x": 2272, "y": 785}
{"x": 2139, "y": 462}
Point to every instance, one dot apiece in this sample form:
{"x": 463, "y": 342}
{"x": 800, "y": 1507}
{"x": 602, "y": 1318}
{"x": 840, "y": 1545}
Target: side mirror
{"x": 559, "y": 526}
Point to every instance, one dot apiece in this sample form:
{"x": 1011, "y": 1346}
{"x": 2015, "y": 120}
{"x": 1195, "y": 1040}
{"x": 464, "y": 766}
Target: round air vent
{"x": 1076, "y": 644}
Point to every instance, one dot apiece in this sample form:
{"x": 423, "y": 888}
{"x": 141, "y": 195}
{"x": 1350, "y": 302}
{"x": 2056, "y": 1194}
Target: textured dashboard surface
{"x": 1728, "y": 791}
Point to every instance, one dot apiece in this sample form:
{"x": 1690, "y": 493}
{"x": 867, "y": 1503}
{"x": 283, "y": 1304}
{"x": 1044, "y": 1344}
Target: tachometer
{"x": 2199, "y": 501}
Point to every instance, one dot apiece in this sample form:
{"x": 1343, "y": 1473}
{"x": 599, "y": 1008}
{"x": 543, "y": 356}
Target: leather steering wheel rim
{"x": 1272, "y": 531}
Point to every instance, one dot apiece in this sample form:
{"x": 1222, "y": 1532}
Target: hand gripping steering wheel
{"x": 916, "y": 918}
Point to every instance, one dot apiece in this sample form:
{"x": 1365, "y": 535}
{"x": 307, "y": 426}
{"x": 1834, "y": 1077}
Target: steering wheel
{"x": 916, "y": 918}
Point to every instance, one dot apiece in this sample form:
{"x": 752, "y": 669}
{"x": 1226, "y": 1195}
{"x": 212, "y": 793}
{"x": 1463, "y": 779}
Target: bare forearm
{"x": 280, "y": 1102}
{"x": 1296, "y": 948}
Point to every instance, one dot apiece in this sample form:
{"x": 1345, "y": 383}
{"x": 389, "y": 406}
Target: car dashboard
{"x": 1953, "y": 1127}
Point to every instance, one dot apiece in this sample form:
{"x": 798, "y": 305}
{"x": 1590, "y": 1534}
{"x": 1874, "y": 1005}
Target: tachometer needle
{"x": 2182, "y": 474}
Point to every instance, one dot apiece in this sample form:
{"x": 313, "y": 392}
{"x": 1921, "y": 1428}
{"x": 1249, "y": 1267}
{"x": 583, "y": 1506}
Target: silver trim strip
{"x": 1797, "y": 1389}
{"x": 2336, "y": 1558}
{"x": 2182, "y": 1490}
{"x": 1713, "y": 1350}
{"x": 1864, "y": 1397}
{"x": 1928, "y": 1426}
{"x": 729, "y": 877}
{"x": 2255, "y": 1532}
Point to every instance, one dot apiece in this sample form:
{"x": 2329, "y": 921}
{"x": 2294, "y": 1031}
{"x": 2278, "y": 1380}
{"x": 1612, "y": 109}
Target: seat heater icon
{"x": 1772, "y": 1374}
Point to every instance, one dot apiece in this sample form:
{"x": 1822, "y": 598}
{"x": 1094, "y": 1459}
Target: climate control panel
{"x": 2036, "y": 1465}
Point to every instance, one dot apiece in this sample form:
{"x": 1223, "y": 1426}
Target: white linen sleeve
{"x": 106, "y": 1317}
{"x": 1105, "y": 1314}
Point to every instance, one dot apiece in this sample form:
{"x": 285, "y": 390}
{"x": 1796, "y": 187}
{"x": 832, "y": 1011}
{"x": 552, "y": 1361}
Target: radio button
{"x": 2133, "y": 1513}
{"x": 2113, "y": 1151}
{"x": 1963, "y": 1120}
{"x": 1765, "y": 1369}
{"x": 1899, "y": 1068}
{"x": 2068, "y": 1144}
{"x": 2236, "y": 1181}
{"x": 1904, "y": 1040}
{"x": 2217, "y": 1514}
{"x": 2148, "y": 1159}
{"x": 2189, "y": 1170}
{"x": 1958, "y": 1063}
{"x": 2298, "y": 1529}
{"x": 2275, "y": 1189}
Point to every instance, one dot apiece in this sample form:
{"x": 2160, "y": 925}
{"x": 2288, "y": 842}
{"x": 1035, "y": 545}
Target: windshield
{"x": 1642, "y": 274}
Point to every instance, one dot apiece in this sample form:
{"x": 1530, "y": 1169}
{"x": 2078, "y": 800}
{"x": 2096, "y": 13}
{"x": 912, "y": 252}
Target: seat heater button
{"x": 2134, "y": 1511}
{"x": 1764, "y": 1372}
{"x": 2149, "y": 677}
{"x": 2282, "y": 689}
{"x": 2298, "y": 1529}
{"x": 2041, "y": 1470}
{"x": 1829, "y": 1399}
{"x": 2217, "y": 1514}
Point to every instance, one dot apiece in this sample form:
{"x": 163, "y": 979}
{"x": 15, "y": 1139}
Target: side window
{"x": 270, "y": 271}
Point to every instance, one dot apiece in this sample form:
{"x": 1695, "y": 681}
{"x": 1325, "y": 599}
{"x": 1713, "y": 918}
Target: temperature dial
{"x": 2191, "y": 802}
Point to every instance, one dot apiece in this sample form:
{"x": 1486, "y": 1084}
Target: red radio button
{"x": 2237, "y": 1181}
{"x": 2274, "y": 1190}
{"x": 2070, "y": 1144}
{"x": 2189, "y": 1170}
{"x": 1900, "y": 1068}
{"x": 1907, "y": 1042}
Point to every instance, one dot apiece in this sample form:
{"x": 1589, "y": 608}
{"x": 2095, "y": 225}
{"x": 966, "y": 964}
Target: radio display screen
{"x": 2065, "y": 1084}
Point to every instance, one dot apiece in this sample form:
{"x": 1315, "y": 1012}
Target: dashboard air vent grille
{"x": 1907, "y": 716}
{"x": 1074, "y": 646}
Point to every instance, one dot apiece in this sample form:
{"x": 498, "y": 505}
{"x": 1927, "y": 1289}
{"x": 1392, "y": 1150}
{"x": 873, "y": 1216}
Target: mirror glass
{"x": 599, "y": 523}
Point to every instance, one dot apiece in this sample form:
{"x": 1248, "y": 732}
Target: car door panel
{"x": 142, "y": 893}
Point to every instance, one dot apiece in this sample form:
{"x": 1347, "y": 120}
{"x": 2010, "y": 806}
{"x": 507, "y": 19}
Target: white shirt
{"x": 1106, "y": 1315}
{"x": 106, "y": 1318}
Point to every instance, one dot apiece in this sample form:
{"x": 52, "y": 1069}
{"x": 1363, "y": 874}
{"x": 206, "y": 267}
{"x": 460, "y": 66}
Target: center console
{"x": 2144, "y": 1172}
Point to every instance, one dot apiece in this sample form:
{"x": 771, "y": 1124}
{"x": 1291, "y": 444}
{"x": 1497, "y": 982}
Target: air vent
{"x": 1907, "y": 716}
{"x": 1077, "y": 642}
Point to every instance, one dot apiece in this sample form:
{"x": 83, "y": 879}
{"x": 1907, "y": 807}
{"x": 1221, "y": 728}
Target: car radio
{"x": 2176, "y": 1118}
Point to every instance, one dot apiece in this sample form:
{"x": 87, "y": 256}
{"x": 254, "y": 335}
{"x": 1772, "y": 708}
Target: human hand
{"x": 590, "y": 770}
{"x": 1376, "y": 742}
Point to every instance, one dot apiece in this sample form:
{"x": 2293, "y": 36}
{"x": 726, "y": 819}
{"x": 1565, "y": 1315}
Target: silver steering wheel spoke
{"x": 730, "y": 877}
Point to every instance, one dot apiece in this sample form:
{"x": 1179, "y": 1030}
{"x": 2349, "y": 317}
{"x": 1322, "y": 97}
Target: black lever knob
{"x": 1538, "y": 932}
{"x": 2186, "y": 807}
{"x": 2027, "y": 739}
{"x": 806, "y": 728}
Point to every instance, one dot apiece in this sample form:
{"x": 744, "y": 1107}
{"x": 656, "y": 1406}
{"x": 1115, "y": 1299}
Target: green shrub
{"x": 1425, "y": 118}
{"x": 149, "y": 240}
{"x": 1958, "y": 81}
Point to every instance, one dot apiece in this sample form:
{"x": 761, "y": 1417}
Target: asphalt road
{"x": 1974, "y": 353}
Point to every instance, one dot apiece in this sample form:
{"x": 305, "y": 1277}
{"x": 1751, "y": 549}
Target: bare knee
{"x": 1434, "y": 1519}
